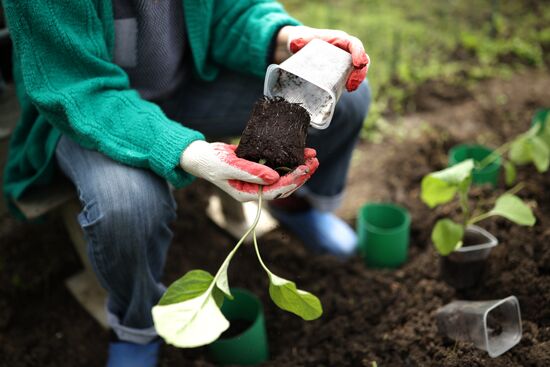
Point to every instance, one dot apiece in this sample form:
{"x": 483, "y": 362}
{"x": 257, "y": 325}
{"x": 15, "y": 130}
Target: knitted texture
{"x": 67, "y": 82}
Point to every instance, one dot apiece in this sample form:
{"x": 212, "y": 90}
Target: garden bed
{"x": 385, "y": 316}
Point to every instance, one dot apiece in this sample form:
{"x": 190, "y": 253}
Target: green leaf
{"x": 519, "y": 151}
{"x": 189, "y": 286}
{"x": 510, "y": 173}
{"x": 195, "y": 321}
{"x": 285, "y": 295}
{"x": 447, "y": 236}
{"x": 440, "y": 187}
{"x": 539, "y": 152}
{"x": 514, "y": 209}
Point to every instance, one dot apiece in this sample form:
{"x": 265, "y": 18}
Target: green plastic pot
{"x": 383, "y": 231}
{"x": 488, "y": 174}
{"x": 250, "y": 347}
{"x": 540, "y": 117}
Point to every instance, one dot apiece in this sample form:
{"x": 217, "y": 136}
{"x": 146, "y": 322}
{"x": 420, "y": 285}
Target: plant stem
{"x": 251, "y": 229}
{"x": 514, "y": 190}
{"x": 255, "y": 240}
{"x": 493, "y": 156}
{"x": 464, "y": 206}
{"x": 479, "y": 218}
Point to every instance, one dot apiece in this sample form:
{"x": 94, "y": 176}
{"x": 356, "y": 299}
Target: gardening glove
{"x": 299, "y": 36}
{"x": 240, "y": 178}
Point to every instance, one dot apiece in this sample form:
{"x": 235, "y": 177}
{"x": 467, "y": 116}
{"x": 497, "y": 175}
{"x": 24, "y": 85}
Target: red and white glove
{"x": 240, "y": 178}
{"x": 299, "y": 36}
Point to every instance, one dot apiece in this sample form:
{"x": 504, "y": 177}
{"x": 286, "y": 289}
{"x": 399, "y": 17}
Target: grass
{"x": 454, "y": 42}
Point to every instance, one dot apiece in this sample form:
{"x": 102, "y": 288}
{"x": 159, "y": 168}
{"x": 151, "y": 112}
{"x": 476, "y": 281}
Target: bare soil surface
{"x": 370, "y": 315}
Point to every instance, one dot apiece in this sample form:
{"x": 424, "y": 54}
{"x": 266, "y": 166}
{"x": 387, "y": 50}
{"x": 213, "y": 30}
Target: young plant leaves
{"x": 189, "y": 286}
{"x": 440, "y": 187}
{"x": 447, "y": 236}
{"x": 514, "y": 209}
{"x": 286, "y": 296}
{"x": 510, "y": 173}
{"x": 532, "y": 147}
{"x": 188, "y": 315}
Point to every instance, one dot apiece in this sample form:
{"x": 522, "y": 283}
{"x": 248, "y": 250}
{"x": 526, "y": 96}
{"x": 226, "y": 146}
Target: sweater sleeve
{"x": 246, "y": 27}
{"x": 69, "y": 77}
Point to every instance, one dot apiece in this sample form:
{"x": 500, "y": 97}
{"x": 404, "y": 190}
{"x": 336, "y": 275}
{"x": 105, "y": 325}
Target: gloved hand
{"x": 218, "y": 163}
{"x": 299, "y": 36}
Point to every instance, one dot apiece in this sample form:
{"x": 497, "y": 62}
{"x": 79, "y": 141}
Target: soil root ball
{"x": 276, "y": 132}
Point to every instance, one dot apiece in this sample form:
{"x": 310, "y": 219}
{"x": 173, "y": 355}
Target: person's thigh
{"x": 125, "y": 212}
{"x": 218, "y": 109}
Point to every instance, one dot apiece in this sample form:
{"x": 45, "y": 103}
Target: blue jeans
{"x": 127, "y": 211}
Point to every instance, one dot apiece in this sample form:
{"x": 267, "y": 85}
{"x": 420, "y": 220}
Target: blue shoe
{"x": 125, "y": 354}
{"x": 321, "y": 231}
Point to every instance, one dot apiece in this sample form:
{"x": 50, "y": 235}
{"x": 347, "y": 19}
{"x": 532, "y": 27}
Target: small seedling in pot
{"x": 188, "y": 315}
{"x": 454, "y": 183}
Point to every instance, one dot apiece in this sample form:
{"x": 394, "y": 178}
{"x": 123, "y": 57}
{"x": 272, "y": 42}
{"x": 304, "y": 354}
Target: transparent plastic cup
{"x": 464, "y": 267}
{"x": 315, "y": 77}
{"x": 493, "y": 326}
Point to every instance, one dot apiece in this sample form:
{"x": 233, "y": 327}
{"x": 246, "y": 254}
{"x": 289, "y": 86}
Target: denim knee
{"x": 357, "y": 104}
{"x": 125, "y": 220}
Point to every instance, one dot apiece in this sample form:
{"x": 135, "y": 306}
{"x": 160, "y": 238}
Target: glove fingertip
{"x": 297, "y": 44}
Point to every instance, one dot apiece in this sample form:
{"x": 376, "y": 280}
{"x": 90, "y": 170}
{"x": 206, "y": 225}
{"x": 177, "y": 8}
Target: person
{"x": 119, "y": 95}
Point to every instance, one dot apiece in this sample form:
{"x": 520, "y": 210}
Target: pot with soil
{"x": 245, "y": 342}
{"x": 383, "y": 231}
{"x": 487, "y": 168}
{"x": 464, "y": 267}
{"x": 493, "y": 326}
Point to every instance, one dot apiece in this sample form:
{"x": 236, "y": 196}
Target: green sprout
{"x": 454, "y": 183}
{"x": 188, "y": 315}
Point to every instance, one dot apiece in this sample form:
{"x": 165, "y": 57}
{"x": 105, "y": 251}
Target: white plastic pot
{"x": 315, "y": 77}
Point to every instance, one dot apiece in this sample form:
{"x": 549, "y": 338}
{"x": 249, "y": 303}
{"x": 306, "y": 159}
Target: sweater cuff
{"x": 166, "y": 152}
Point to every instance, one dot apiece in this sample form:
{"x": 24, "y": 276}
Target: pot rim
{"x": 492, "y": 241}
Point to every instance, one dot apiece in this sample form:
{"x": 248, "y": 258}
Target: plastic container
{"x": 493, "y": 326}
{"x": 314, "y": 76}
{"x": 250, "y": 347}
{"x": 383, "y": 231}
{"x": 464, "y": 267}
{"x": 540, "y": 117}
{"x": 488, "y": 174}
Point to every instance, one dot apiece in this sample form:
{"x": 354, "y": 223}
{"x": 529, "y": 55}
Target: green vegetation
{"x": 188, "y": 315}
{"x": 443, "y": 186}
{"x": 413, "y": 42}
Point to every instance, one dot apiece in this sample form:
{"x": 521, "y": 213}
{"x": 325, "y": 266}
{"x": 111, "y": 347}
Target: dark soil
{"x": 236, "y": 327}
{"x": 386, "y": 316}
{"x": 463, "y": 274}
{"x": 276, "y": 132}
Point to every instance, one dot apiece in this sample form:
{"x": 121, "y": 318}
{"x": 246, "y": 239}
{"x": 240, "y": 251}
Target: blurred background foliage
{"x": 454, "y": 43}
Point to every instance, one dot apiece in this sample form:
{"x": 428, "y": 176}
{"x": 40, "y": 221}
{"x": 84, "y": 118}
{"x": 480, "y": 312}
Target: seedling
{"x": 531, "y": 147}
{"x": 188, "y": 315}
{"x": 441, "y": 187}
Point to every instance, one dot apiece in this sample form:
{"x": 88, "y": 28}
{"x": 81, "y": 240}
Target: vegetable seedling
{"x": 188, "y": 314}
{"x": 530, "y": 147}
{"x": 452, "y": 183}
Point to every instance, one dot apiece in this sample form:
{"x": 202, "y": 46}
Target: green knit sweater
{"x": 67, "y": 83}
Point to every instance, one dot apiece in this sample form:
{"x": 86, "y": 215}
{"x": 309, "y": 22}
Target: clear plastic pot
{"x": 493, "y": 326}
{"x": 314, "y": 77}
{"x": 464, "y": 267}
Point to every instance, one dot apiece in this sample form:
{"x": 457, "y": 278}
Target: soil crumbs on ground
{"x": 370, "y": 315}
